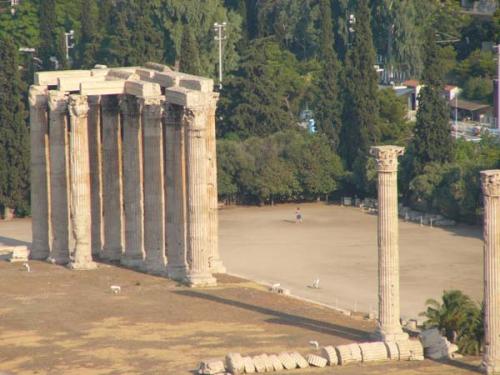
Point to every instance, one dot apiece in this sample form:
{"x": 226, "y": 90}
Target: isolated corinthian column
{"x": 389, "y": 326}
{"x": 198, "y": 204}
{"x": 39, "y": 138}
{"x": 81, "y": 256}
{"x": 491, "y": 232}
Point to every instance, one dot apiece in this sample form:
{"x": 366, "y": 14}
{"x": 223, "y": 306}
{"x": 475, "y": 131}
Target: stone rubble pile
{"x": 235, "y": 363}
{"x": 437, "y": 346}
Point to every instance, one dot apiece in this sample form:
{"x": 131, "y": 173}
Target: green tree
{"x": 328, "y": 108}
{"x": 340, "y": 14}
{"x": 432, "y": 135}
{"x": 360, "y": 115}
{"x": 394, "y": 127}
{"x": 88, "y": 46}
{"x": 264, "y": 95}
{"x": 48, "y": 32}
{"x": 190, "y": 58}
{"x": 23, "y": 26}
{"x": 14, "y": 138}
{"x": 460, "y": 319}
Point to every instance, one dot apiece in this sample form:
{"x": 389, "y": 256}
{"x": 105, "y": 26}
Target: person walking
{"x": 298, "y": 216}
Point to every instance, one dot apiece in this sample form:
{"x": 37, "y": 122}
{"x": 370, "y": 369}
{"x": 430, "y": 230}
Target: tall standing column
{"x": 175, "y": 191}
{"x": 389, "y": 326}
{"x": 95, "y": 160}
{"x": 40, "y": 199}
{"x": 198, "y": 204}
{"x": 154, "y": 212}
{"x": 216, "y": 264}
{"x": 132, "y": 182}
{"x": 59, "y": 178}
{"x": 112, "y": 178}
{"x": 81, "y": 256}
{"x": 491, "y": 232}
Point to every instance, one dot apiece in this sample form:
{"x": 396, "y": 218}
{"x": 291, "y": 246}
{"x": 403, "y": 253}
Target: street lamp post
{"x": 219, "y": 36}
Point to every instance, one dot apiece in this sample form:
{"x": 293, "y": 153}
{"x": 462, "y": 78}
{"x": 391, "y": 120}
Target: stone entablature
{"x": 123, "y": 168}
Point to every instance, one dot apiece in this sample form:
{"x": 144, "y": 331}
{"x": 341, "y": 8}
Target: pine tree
{"x": 360, "y": 114}
{"x": 48, "y": 33}
{"x": 14, "y": 138}
{"x": 328, "y": 108}
{"x": 89, "y": 34}
{"x": 190, "y": 59}
{"x": 432, "y": 141}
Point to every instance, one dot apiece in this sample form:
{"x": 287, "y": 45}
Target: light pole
{"x": 69, "y": 41}
{"x": 219, "y": 29}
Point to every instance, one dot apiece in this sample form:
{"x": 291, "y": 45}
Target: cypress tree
{"x": 190, "y": 59}
{"x": 14, "y": 138}
{"x": 48, "y": 34}
{"x": 360, "y": 114}
{"x": 328, "y": 109}
{"x": 115, "y": 46}
{"x": 432, "y": 141}
{"x": 89, "y": 34}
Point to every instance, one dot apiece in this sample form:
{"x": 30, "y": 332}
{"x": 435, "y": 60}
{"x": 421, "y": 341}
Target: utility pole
{"x": 69, "y": 42}
{"x": 219, "y": 29}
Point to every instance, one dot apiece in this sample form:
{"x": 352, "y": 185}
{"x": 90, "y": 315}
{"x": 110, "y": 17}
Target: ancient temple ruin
{"x": 123, "y": 165}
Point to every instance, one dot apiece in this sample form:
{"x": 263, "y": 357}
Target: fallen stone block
{"x": 299, "y": 360}
{"x": 277, "y": 366}
{"x": 248, "y": 365}
{"x": 316, "y": 361}
{"x": 234, "y": 363}
{"x": 287, "y": 361}
{"x": 259, "y": 363}
{"x": 268, "y": 363}
{"x": 373, "y": 351}
{"x": 211, "y": 367}
{"x": 392, "y": 351}
{"x": 19, "y": 254}
{"x": 431, "y": 337}
{"x": 410, "y": 350}
{"x": 350, "y": 353}
{"x": 329, "y": 353}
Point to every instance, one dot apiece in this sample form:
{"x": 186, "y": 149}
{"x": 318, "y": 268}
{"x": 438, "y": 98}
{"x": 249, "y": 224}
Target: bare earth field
{"x": 339, "y": 245}
{"x": 57, "y": 321}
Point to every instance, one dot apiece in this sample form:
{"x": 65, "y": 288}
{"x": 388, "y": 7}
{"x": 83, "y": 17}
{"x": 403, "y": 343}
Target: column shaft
{"x": 197, "y": 197}
{"x": 95, "y": 160}
{"x": 175, "y": 187}
{"x": 112, "y": 176}
{"x": 388, "y": 244}
{"x": 154, "y": 211}
{"x": 40, "y": 199}
{"x": 491, "y": 234}
{"x": 59, "y": 178}
{"x": 216, "y": 264}
{"x": 81, "y": 256}
{"x": 132, "y": 182}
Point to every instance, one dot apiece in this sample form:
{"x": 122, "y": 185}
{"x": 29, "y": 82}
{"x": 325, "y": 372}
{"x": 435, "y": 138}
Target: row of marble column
{"x": 125, "y": 179}
{"x": 389, "y": 327}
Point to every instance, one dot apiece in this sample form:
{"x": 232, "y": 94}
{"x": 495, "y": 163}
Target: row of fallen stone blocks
{"x": 341, "y": 355}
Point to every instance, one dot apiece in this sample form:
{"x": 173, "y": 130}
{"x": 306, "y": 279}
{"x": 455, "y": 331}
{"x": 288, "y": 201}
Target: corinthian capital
{"x": 58, "y": 101}
{"x": 38, "y": 96}
{"x": 490, "y": 182}
{"x": 387, "y": 157}
{"x": 78, "y": 105}
{"x": 130, "y": 106}
{"x": 151, "y": 107}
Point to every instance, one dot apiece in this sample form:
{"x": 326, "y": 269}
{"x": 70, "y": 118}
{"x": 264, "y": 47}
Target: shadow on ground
{"x": 282, "y": 318}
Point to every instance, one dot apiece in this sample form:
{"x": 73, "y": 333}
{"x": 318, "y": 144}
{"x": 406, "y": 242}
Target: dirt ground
{"x": 57, "y": 321}
{"x": 338, "y": 245}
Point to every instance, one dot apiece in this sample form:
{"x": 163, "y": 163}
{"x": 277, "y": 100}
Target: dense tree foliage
{"x": 289, "y": 64}
{"x": 14, "y": 138}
